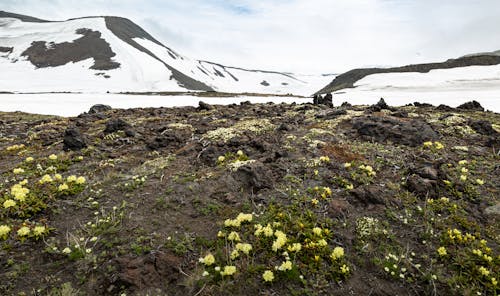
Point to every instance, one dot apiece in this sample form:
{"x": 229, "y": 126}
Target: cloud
{"x": 311, "y": 36}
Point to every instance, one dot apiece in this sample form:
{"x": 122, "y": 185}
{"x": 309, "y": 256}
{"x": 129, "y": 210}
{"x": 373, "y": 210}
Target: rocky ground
{"x": 251, "y": 200}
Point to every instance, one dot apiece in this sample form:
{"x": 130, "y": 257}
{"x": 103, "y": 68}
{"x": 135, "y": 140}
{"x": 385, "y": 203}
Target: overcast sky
{"x": 303, "y": 36}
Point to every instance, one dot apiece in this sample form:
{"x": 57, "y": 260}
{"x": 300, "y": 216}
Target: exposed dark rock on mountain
{"x": 91, "y": 45}
{"x": 473, "y": 105}
{"x": 348, "y": 79}
{"x": 24, "y": 18}
{"x": 6, "y": 49}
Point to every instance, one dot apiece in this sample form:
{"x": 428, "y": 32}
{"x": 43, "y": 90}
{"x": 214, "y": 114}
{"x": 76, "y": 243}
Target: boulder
{"x": 73, "y": 139}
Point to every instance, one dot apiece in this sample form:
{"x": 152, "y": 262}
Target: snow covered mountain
{"x": 99, "y": 54}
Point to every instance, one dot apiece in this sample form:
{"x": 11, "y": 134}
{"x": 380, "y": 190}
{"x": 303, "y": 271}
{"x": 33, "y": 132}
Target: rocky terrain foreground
{"x": 249, "y": 199}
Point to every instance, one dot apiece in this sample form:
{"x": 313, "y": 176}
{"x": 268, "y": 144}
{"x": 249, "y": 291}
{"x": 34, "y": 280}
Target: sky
{"x": 300, "y": 36}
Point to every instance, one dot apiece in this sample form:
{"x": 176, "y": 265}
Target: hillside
{"x": 264, "y": 199}
{"x": 355, "y": 77}
{"x": 100, "y": 54}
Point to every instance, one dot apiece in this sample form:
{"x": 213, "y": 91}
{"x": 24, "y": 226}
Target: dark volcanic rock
{"x": 473, "y": 105}
{"x": 381, "y": 104}
{"x": 73, "y": 139}
{"x": 483, "y": 127}
{"x": 202, "y": 106}
{"x": 254, "y": 176}
{"x": 327, "y": 100}
{"x": 369, "y": 195}
{"x": 152, "y": 270}
{"x": 422, "y": 187}
{"x": 114, "y": 125}
{"x": 422, "y": 105}
{"x": 445, "y": 108}
{"x": 383, "y": 129}
{"x": 99, "y": 108}
{"x": 6, "y": 49}
{"x": 91, "y": 45}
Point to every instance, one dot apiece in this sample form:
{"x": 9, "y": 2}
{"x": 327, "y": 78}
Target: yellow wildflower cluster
{"x": 18, "y": 171}
{"x": 233, "y": 236}
{"x": 268, "y": 276}
{"x": 241, "y": 218}
{"x": 23, "y": 231}
{"x": 368, "y": 170}
{"x": 74, "y": 179}
{"x": 9, "y": 203}
{"x": 287, "y": 265}
{"x": 435, "y": 145}
{"x": 15, "y": 147}
{"x": 280, "y": 241}
{"x": 267, "y": 230}
{"x": 208, "y": 260}
{"x": 19, "y": 192}
{"x": 442, "y": 251}
{"x": 29, "y": 159}
{"x": 456, "y": 236}
{"x": 46, "y": 179}
{"x": 324, "y": 159}
{"x": 53, "y": 157}
{"x": 337, "y": 253}
{"x": 347, "y": 165}
{"x": 295, "y": 247}
{"x": 63, "y": 187}
{"x": 4, "y": 231}
{"x": 344, "y": 269}
{"x": 228, "y": 270}
{"x": 243, "y": 247}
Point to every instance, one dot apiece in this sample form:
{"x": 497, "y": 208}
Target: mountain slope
{"x": 354, "y": 77}
{"x": 97, "y": 54}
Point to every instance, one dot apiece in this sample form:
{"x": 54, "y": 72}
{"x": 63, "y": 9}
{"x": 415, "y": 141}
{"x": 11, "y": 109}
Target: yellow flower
{"x": 58, "y": 177}
{"x": 66, "y": 250}
{"x": 484, "y": 271}
{"x": 9, "y": 203}
{"x": 245, "y": 248}
{"x": 80, "y": 180}
{"x": 52, "y": 157}
{"x": 327, "y": 191}
{"x": 280, "y": 241}
{"x": 428, "y": 144}
{"x": 349, "y": 187}
{"x": 39, "y": 230}
{"x": 464, "y": 170}
{"x": 18, "y": 171}
{"x": 442, "y": 251}
{"x": 71, "y": 178}
{"x": 314, "y": 201}
{"x": 233, "y": 236}
{"x": 295, "y": 247}
{"x": 463, "y": 162}
{"x": 344, "y": 269}
{"x": 322, "y": 243}
{"x": 4, "y": 231}
{"x": 221, "y": 159}
{"x": 317, "y": 231}
{"x": 23, "y": 231}
{"x": 63, "y": 187}
{"x": 234, "y": 254}
{"x": 45, "y": 179}
{"x": 228, "y": 270}
{"x": 79, "y": 158}
{"x": 347, "y": 165}
{"x": 268, "y": 276}
{"x": 438, "y": 145}
{"x": 208, "y": 260}
{"x": 244, "y": 217}
{"x": 494, "y": 282}
{"x": 338, "y": 252}
{"x": 480, "y": 182}
{"x": 239, "y": 153}
{"x": 463, "y": 178}
{"x": 19, "y": 192}
{"x": 287, "y": 265}
{"x": 324, "y": 159}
